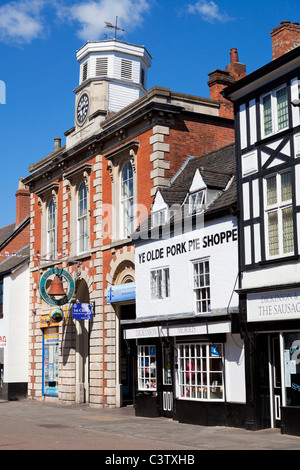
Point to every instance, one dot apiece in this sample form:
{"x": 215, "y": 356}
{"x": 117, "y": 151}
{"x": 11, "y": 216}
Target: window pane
{"x": 273, "y": 233}
{"x": 202, "y": 287}
{"x": 271, "y": 191}
{"x": 282, "y": 109}
{"x": 200, "y": 371}
{"x": 267, "y": 114}
{"x": 286, "y": 186}
{"x": 127, "y": 199}
{"x": 160, "y": 283}
{"x": 147, "y": 368}
{"x": 287, "y": 230}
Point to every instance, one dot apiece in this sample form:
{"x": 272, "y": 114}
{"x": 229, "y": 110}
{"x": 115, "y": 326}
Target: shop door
{"x": 167, "y": 387}
{"x": 275, "y": 385}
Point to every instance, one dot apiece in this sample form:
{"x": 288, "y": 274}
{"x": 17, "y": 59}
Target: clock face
{"x": 82, "y": 108}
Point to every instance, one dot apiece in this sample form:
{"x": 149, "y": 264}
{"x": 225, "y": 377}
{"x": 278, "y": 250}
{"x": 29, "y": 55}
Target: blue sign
{"x": 121, "y": 293}
{"x": 82, "y": 311}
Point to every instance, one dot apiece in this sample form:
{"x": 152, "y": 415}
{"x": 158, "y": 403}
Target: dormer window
{"x": 158, "y": 218}
{"x": 196, "y": 202}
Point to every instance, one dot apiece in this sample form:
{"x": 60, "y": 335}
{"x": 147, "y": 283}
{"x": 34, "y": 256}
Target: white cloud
{"x": 92, "y": 14}
{"x": 209, "y": 11}
{"x": 21, "y": 22}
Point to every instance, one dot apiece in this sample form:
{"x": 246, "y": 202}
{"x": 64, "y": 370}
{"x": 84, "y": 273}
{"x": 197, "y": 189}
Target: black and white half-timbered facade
{"x": 267, "y": 117}
{"x": 189, "y": 358}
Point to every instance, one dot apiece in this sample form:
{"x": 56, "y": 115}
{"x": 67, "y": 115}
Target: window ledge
{"x": 279, "y": 260}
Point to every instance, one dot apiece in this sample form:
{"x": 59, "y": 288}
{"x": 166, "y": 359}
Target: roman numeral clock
{"x": 82, "y": 109}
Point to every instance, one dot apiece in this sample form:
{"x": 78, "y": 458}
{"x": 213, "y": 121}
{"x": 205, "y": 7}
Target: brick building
{"x": 89, "y": 195}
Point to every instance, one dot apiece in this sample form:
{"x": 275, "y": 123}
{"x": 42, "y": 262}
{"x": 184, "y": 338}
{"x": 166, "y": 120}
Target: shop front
{"x": 272, "y": 344}
{"x": 190, "y": 371}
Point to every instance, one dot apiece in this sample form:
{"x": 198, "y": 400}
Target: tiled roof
{"x": 217, "y": 169}
{"x": 6, "y": 232}
{"x": 12, "y": 262}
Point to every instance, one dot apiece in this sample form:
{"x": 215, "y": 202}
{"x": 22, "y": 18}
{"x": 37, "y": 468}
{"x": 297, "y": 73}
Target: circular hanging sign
{"x": 56, "y": 315}
{"x": 71, "y": 286}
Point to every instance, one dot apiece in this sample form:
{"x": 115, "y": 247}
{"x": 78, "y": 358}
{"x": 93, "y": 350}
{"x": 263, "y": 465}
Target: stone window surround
{"x": 44, "y": 197}
{"x": 73, "y": 180}
{"x": 116, "y": 160}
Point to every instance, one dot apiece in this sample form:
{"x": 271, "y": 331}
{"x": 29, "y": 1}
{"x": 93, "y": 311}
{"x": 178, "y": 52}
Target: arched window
{"x": 51, "y": 230}
{"x": 82, "y": 218}
{"x": 127, "y": 200}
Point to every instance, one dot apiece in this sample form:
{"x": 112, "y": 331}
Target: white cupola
{"x": 122, "y": 65}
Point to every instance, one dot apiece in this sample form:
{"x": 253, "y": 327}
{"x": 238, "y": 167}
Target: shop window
{"x": 160, "y": 284}
{"x": 82, "y": 219}
{"x": 51, "y": 230}
{"x": 201, "y": 284}
{"x": 147, "y": 368}
{"x": 127, "y": 200}
{"x": 279, "y": 215}
{"x": 292, "y": 368}
{"x": 274, "y": 111}
{"x": 200, "y": 371}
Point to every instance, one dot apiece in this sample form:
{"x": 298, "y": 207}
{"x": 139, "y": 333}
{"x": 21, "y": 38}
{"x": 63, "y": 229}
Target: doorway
{"x": 167, "y": 381}
{"x": 269, "y": 380}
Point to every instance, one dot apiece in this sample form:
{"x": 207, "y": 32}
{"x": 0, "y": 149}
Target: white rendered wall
{"x": 223, "y": 260}
{"x": 15, "y": 316}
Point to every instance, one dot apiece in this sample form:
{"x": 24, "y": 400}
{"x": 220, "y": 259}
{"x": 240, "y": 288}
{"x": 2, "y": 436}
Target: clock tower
{"x": 112, "y": 75}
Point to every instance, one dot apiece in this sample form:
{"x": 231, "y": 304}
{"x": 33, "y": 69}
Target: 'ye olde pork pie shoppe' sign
{"x": 275, "y": 305}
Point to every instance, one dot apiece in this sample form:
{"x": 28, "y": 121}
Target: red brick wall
{"x": 285, "y": 37}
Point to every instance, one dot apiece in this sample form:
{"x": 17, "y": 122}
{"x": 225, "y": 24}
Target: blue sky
{"x": 187, "y": 39}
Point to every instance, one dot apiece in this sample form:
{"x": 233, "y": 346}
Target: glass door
{"x": 50, "y": 362}
{"x": 167, "y": 392}
{"x": 275, "y": 383}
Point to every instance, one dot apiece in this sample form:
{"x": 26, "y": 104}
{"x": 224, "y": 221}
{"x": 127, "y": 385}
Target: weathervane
{"x": 115, "y": 27}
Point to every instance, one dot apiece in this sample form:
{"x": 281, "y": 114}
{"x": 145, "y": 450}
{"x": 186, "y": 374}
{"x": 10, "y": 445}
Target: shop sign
{"x": 121, "y": 292}
{"x": 194, "y": 244}
{"x": 273, "y": 305}
{"x": 2, "y": 341}
{"x": 45, "y": 321}
{"x": 82, "y": 311}
{"x": 71, "y": 286}
{"x": 151, "y": 332}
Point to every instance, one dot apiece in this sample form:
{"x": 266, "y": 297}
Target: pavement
{"x": 35, "y": 425}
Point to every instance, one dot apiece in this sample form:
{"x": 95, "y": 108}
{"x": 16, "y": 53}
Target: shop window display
{"x": 147, "y": 368}
{"x": 200, "y": 371}
{"x": 292, "y": 368}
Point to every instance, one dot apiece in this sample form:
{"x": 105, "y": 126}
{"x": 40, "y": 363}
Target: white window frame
{"x": 200, "y": 372}
{"x": 82, "y": 220}
{"x": 147, "y": 368}
{"x": 158, "y": 218}
{"x": 274, "y": 112}
{"x": 126, "y": 202}
{"x": 196, "y": 201}
{"x": 202, "y": 285}
{"x": 51, "y": 229}
{"x": 160, "y": 283}
{"x": 277, "y": 208}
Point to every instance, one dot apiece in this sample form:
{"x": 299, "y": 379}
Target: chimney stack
{"x": 22, "y": 203}
{"x": 220, "y": 79}
{"x": 284, "y": 38}
{"x": 57, "y": 143}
